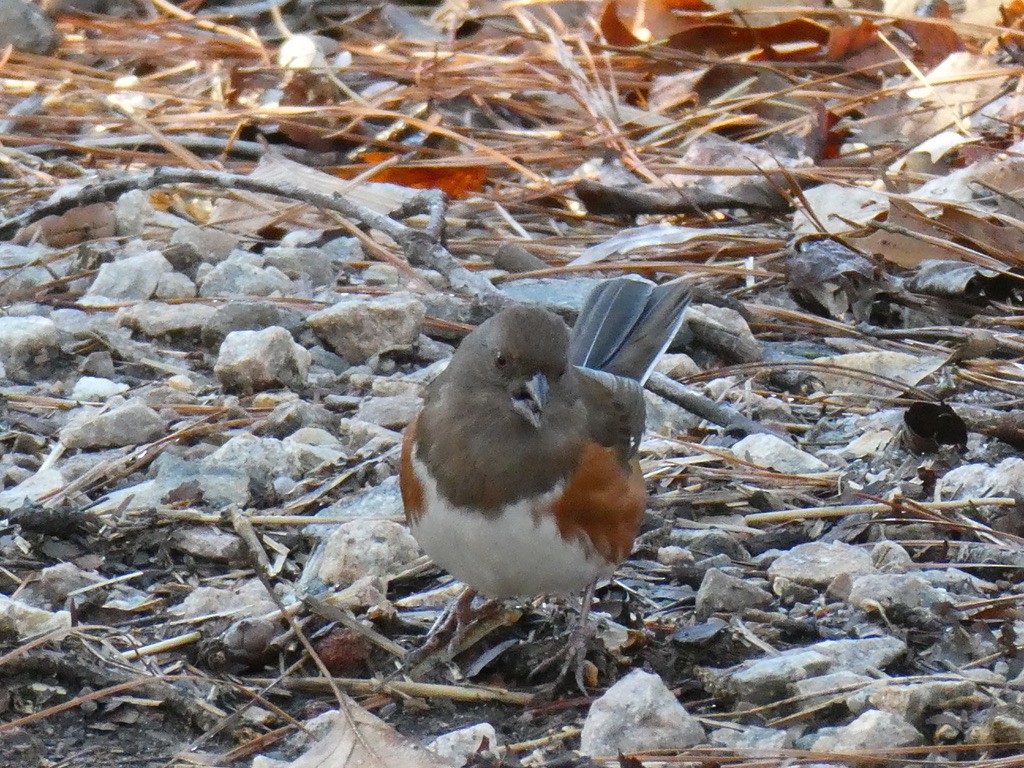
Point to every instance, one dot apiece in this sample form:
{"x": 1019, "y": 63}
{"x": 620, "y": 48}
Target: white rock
{"x": 19, "y": 621}
{"x": 720, "y": 592}
{"x": 637, "y": 713}
{"x": 773, "y": 452}
{"x": 358, "y": 329}
{"x": 129, "y": 424}
{"x": 135, "y": 277}
{"x": 35, "y": 487}
{"x": 247, "y": 598}
{"x": 93, "y": 389}
{"x": 156, "y": 319}
{"x": 208, "y": 543}
{"x": 765, "y": 680}
{"x": 752, "y": 737}
{"x": 174, "y": 285}
{"x": 894, "y": 591}
{"x": 459, "y": 746}
{"x": 862, "y": 655}
{"x": 250, "y": 361}
{"x": 366, "y": 548}
{"x": 26, "y": 341}
{"x": 393, "y": 412}
{"x": 817, "y": 563}
{"x": 239, "y": 276}
{"x": 874, "y": 730}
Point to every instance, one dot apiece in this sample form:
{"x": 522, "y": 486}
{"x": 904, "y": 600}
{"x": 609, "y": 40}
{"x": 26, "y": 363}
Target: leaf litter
{"x": 229, "y": 270}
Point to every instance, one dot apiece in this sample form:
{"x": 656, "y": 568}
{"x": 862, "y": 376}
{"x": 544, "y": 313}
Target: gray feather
{"x": 626, "y": 324}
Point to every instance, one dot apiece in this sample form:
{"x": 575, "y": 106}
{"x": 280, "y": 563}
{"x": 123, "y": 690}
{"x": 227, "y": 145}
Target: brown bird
{"x": 519, "y": 476}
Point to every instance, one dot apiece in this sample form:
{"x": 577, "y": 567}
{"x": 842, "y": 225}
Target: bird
{"x": 519, "y": 475}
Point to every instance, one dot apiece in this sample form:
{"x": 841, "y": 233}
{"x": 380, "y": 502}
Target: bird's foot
{"x": 573, "y": 655}
{"x": 459, "y": 627}
{"x": 571, "y": 661}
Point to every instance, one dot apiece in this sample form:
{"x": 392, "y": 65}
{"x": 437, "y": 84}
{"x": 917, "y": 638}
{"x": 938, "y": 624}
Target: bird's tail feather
{"x": 626, "y": 324}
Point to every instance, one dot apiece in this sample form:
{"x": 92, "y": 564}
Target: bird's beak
{"x": 530, "y": 400}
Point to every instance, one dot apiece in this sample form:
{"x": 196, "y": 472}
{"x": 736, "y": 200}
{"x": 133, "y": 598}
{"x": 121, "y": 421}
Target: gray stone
{"x": 261, "y": 458}
{"x": 564, "y": 296}
{"x": 311, "y": 264}
{"x": 364, "y": 548}
{"x": 24, "y": 27}
{"x": 891, "y": 557}
{"x": 19, "y": 621}
{"x": 249, "y": 316}
{"x": 28, "y": 345}
{"x": 835, "y": 687}
{"x": 817, "y": 563}
{"x": 773, "y": 452}
{"x": 912, "y": 701}
{"x": 677, "y": 365}
{"x": 251, "y": 361}
{"x": 861, "y": 655}
{"x": 174, "y": 285}
{"x": 710, "y": 542}
{"x": 55, "y": 583}
{"x": 1004, "y": 725}
{"x": 292, "y": 415}
{"x": 21, "y": 269}
{"x": 358, "y": 329}
{"x": 367, "y": 439}
{"x": 874, "y": 730}
{"x": 157, "y": 320}
{"x": 345, "y": 249}
{"x": 766, "y": 680}
{"x": 382, "y": 274}
{"x": 99, "y": 364}
{"x": 958, "y": 582}
{"x": 720, "y": 593}
{"x": 392, "y": 412}
{"x": 972, "y": 481}
{"x": 131, "y": 278}
{"x": 238, "y": 276}
{"x": 672, "y": 555}
{"x": 458, "y": 747}
{"x": 315, "y": 446}
{"x": 898, "y": 593}
{"x": 638, "y": 713}
{"x": 208, "y": 543}
{"x": 93, "y": 389}
{"x": 132, "y": 423}
{"x": 751, "y": 737}
{"x": 36, "y": 486}
{"x": 246, "y": 598}
{"x": 202, "y": 244}
{"x": 219, "y": 484}
{"x": 383, "y": 500}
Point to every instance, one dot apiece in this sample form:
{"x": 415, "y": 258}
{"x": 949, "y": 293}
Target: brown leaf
{"x": 87, "y": 222}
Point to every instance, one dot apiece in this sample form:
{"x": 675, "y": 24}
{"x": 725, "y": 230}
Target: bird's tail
{"x": 626, "y": 324}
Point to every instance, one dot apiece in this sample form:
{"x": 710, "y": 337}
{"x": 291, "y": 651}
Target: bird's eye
{"x": 501, "y": 362}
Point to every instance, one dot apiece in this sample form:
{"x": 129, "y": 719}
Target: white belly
{"x": 514, "y": 554}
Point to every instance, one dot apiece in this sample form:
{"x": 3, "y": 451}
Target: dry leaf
{"x": 87, "y": 222}
{"x": 364, "y": 741}
{"x": 257, "y": 211}
{"x": 898, "y": 366}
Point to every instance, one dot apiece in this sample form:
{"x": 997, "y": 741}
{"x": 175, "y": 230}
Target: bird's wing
{"x": 615, "y": 410}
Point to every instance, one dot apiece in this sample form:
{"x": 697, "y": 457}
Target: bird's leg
{"x": 574, "y": 654}
{"x": 446, "y": 628}
{"x": 461, "y": 624}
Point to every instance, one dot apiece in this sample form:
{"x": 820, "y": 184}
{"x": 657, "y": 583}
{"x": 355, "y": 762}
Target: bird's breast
{"x": 515, "y": 551}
